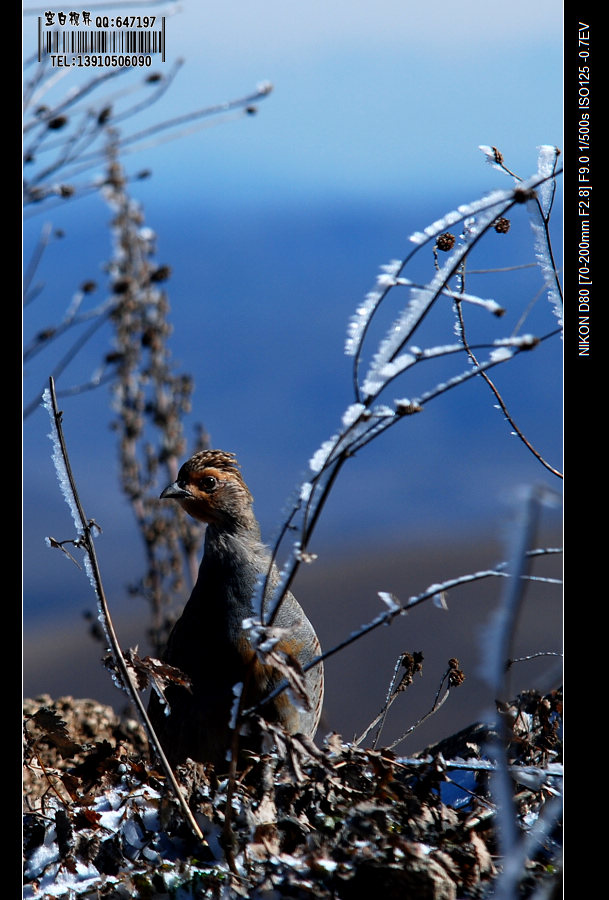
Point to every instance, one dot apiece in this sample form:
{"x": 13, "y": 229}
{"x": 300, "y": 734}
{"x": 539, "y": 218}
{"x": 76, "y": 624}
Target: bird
{"x": 209, "y": 643}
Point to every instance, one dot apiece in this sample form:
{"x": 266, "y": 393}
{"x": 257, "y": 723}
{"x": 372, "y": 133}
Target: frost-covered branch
{"x": 396, "y": 358}
{"x": 540, "y": 207}
{"x": 361, "y": 425}
{"x": 85, "y": 529}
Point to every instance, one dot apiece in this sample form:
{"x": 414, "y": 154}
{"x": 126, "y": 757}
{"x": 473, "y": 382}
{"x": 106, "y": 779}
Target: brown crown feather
{"x": 214, "y": 459}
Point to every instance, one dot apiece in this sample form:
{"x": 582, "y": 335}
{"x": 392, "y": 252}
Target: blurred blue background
{"x": 275, "y": 227}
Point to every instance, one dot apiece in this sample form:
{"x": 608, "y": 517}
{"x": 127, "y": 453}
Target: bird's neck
{"x": 232, "y": 561}
{"x": 238, "y": 541}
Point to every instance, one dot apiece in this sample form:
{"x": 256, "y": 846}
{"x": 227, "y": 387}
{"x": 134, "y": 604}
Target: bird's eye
{"x": 208, "y": 483}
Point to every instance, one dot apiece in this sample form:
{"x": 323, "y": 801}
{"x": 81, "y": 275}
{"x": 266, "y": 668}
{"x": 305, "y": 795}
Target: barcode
{"x": 83, "y": 42}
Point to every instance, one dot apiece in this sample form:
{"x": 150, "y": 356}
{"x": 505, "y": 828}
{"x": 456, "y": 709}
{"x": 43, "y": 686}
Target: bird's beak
{"x": 174, "y": 492}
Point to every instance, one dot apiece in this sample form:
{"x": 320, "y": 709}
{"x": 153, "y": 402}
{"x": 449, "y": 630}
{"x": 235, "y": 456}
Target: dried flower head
{"x": 57, "y": 122}
{"x": 501, "y": 225}
{"x": 445, "y": 241}
{"x": 161, "y": 274}
{"x": 456, "y": 676}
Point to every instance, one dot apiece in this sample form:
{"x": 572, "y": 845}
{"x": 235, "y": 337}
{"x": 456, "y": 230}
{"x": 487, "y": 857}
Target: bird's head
{"x": 210, "y": 488}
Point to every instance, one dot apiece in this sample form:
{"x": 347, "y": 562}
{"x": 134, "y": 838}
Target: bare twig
{"x": 498, "y": 397}
{"x": 382, "y": 715}
{"x": 452, "y": 677}
{"x": 412, "y": 663}
{"x": 540, "y": 654}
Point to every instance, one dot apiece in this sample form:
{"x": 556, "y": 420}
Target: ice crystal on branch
{"x": 546, "y": 167}
{"x": 494, "y": 157}
{"x": 539, "y": 210}
{"x": 60, "y": 464}
{"x": 321, "y": 456}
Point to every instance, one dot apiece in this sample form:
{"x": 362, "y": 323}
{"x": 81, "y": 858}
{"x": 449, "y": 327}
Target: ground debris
{"x": 336, "y": 821}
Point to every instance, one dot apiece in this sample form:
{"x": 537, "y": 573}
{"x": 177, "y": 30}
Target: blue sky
{"x": 375, "y": 99}
{"x": 275, "y": 227}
